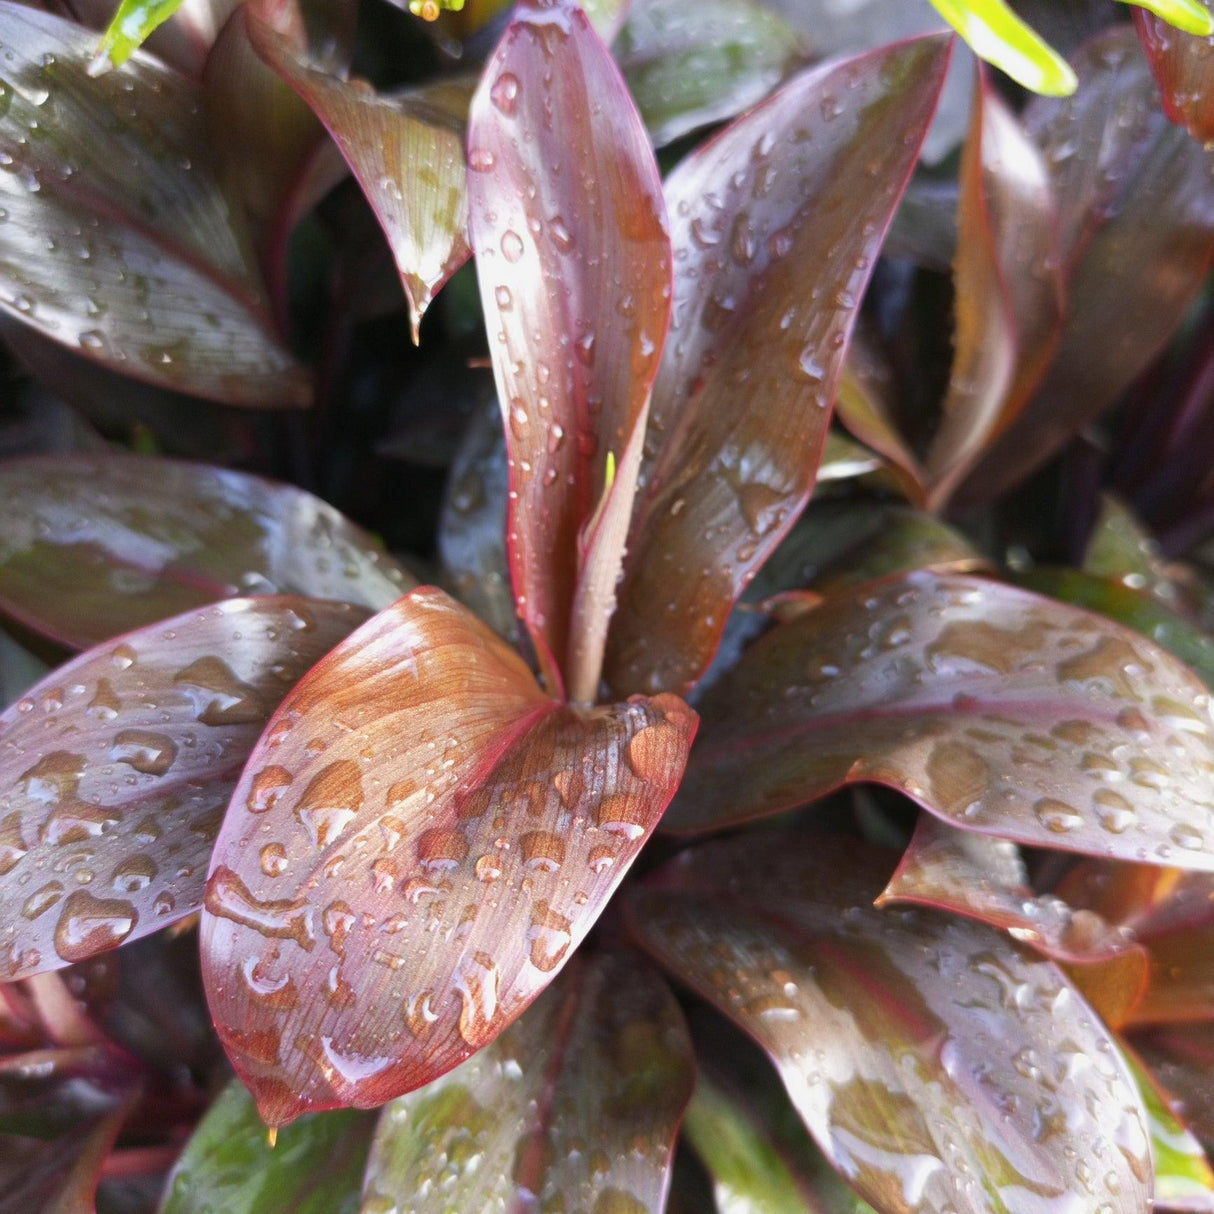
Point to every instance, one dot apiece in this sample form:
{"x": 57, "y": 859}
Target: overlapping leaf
{"x": 115, "y": 771}
{"x": 995, "y": 709}
{"x": 575, "y": 1106}
{"x": 417, "y": 845}
{"x": 94, "y": 546}
{"x": 118, "y": 241}
{"x": 742, "y": 403}
{"x": 573, "y": 258}
{"x": 938, "y": 1065}
{"x": 1183, "y": 64}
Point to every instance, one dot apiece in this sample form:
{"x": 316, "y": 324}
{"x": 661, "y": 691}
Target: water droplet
{"x": 273, "y": 859}
{"x": 331, "y": 801}
{"x": 266, "y": 788}
{"x": 1057, "y": 816}
{"x": 549, "y": 935}
{"x": 150, "y": 753}
{"x": 134, "y": 874}
{"x": 512, "y": 245}
{"x": 504, "y": 93}
{"x": 89, "y": 925}
{"x": 219, "y": 697}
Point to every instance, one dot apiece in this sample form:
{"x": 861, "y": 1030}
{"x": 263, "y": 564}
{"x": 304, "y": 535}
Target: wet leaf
{"x": 407, "y": 152}
{"x": 574, "y": 265}
{"x": 1136, "y": 222}
{"x": 1192, "y": 16}
{"x": 117, "y": 767}
{"x": 315, "y": 1166}
{"x": 687, "y": 67}
{"x": 575, "y": 1106}
{"x": 97, "y": 545}
{"x": 810, "y": 178}
{"x": 418, "y": 844}
{"x": 938, "y": 1065}
{"x": 19, "y": 670}
{"x": 994, "y": 709}
{"x": 132, "y": 24}
{"x": 118, "y": 240}
{"x": 1122, "y": 549}
{"x": 1183, "y": 64}
{"x": 1008, "y": 293}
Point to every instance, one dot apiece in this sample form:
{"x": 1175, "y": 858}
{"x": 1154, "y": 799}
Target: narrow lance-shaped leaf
{"x": 575, "y": 1106}
{"x": 407, "y": 152}
{"x": 1192, "y": 16}
{"x": 94, "y": 546}
{"x": 997, "y": 710}
{"x": 314, "y": 1167}
{"x": 573, "y": 258}
{"x": 742, "y": 404}
{"x": 1183, "y": 64}
{"x": 417, "y": 845}
{"x": 118, "y": 240}
{"x": 938, "y": 1065}
{"x": 116, "y": 769}
{"x": 131, "y": 25}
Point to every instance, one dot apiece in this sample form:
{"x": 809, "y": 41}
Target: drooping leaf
{"x": 118, "y": 241}
{"x": 407, "y": 152}
{"x": 938, "y": 1065}
{"x": 430, "y": 837}
{"x": 575, "y": 1106}
{"x": 314, "y": 1167}
{"x": 997, "y": 710}
{"x": 94, "y": 546}
{"x": 1183, "y": 64}
{"x": 688, "y": 67}
{"x": 1136, "y": 223}
{"x": 574, "y": 263}
{"x": 776, "y": 223}
{"x": 116, "y": 768}
{"x": 1008, "y": 292}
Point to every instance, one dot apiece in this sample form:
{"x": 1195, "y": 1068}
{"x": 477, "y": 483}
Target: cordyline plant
{"x": 930, "y": 760}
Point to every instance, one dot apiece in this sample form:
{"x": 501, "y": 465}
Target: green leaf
{"x": 315, "y": 1167}
{"x": 130, "y": 27}
{"x": 1189, "y": 15}
{"x": 1000, "y": 37}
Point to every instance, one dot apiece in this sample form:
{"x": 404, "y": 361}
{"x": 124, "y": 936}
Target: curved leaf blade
{"x": 996, "y": 710}
{"x": 742, "y": 403}
{"x": 94, "y": 546}
{"x": 433, "y": 838}
{"x": 574, "y": 262}
{"x": 116, "y": 769}
{"x": 1191, "y": 16}
{"x": 131, "y": 26}
{"x": 1183, "y": 65}
{"x": 601, "y": 1058}
{"x": 119, "y": 242}
{"x": 937, "y": 1064}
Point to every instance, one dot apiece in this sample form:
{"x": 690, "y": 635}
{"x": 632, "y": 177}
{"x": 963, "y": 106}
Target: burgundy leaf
{"x": 119, "y": 241}
{"x": 117, "y": 767}
{"x": 1184, "y": 67}
{"x": 995, "y": 709}
{"x": 575, "y": 1106}
{"x": 97, "y": 545}
{"x": 777, "y": 221}
{"x": 573, "y": 258}
{"x": 938, "y": 1065}
{"x": 417, "y": 845}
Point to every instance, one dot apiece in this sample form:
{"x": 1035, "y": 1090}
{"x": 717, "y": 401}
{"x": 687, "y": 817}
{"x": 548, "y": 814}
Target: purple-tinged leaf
{"x": 574, "y": 263}
{"x": 997, "y": 710}
{"x": 741, "y": 407}
{"x": 418, "y": 843}
{"x": 94, "y": 546}
{"x": 1183, "y": 65}
{"x": 938, "y": 1065}
{"x": 688, "y": 67}
{"x": 407, "y": 152}
{"x": 574, "y": 1107}
{"x": 118, "y": 240}
{"x": 1136, "y": 221}
{"x": 1179, "y": 1058}
{"x": 117, "y": 767}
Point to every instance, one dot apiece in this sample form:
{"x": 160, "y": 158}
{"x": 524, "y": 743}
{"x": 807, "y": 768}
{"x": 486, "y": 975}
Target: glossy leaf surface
{"x": 575, "y": 1106}
{"x": 1183, "y": 64}
{"x": 573, "y": 258}
{"x": 118, "y": 240}
{"x": 810, "y": 178}
{"x": 314, "y": 1167}
{"x": 132, "y": 24}
{"x": 1121, "y": 548}
{"x": 407, "y": 152}
{"x": 687, "y": 67}
{"x": 418, "y": 844}
{"x": 1192, "y": 16}
{"x": 937, "y": 1064}
{"x": 117, "y": 767}
{"x": 995, "y": 709}
{"x": 1136, "y": 223}
{"x": 97, "y": 545}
